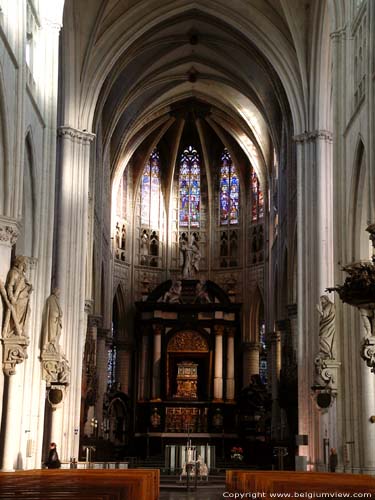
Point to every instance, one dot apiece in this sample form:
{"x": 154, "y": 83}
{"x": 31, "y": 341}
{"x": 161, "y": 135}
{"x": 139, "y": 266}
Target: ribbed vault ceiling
{"x": 190, "y": 64}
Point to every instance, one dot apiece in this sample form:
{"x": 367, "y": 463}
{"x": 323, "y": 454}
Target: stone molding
{"x": 313, "y": 135}
{"x": 81, "y": 136}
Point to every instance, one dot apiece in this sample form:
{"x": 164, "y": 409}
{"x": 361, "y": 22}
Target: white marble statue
{"x": 191, "y": 256}
{"x": 173, "y": 296}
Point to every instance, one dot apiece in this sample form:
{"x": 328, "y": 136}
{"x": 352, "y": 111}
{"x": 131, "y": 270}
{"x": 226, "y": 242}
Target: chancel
{"x": 187, "y": 221}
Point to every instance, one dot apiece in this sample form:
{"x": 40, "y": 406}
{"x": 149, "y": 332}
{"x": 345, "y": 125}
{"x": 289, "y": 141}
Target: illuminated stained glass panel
{"x": 150, "y": 191}
{"x": 189, "y": 188}
{"x": 229, "y": 191}
{"x": 257, "y": 199}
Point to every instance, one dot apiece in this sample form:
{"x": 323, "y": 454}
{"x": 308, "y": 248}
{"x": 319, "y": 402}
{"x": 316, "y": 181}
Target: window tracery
{"x": 121, "y": 228}
{"x": 229, "y": 212}
{"x": 229, "y": 191}
{"x": 257, "y": 199}
{"x": 150, "y": 212}
{"x": 189, "y": 188}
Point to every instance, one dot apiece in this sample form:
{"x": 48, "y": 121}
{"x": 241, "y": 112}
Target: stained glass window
{"x": 150, "y": 191}
{"x": 229, "y": 190}
{"x": 263, "y": 366}
{"x": 189, "y": 188}
{"x": 257, "y": 200}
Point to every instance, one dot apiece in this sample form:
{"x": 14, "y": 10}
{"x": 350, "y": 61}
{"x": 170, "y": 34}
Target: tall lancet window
{"x": 150, "y": 191}
{"x": 150, "y": 212}
{"x": 189, "y": 188}
{"x": 257, "y": 200}
{"x": 229, "y": 191}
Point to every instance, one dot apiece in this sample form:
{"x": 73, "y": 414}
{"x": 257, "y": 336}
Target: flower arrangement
{"x": 236, "y": 453}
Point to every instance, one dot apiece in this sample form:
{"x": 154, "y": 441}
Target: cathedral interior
{"x": 187, "y": 231}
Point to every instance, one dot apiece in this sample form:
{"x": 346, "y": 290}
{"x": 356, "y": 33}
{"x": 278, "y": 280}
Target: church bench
{"x": 293, "y": 482}
{"x": 138, "y": 484}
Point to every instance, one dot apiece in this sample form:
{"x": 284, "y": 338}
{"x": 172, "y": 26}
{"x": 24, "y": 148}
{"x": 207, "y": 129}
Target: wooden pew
{"x": 112, "y": 484}
{"x": 267, "y": 482}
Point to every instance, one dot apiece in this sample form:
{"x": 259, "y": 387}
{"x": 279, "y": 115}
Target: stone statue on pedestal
{"x": 56, "y": 369}
{"x": 16, "y": 297}
{"x": 326, "y": 309}
{"x": 52, "y": 323}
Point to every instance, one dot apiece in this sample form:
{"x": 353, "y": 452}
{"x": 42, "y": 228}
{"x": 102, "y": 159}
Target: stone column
{"x": 143, "y": 368}
{"x": 275, "y": 378}
{"x": 71, "y": 254}
{"x": 250, "y": 361}
{"x": 101, "y": 370}
{"x": 230, "y": 385}
{"x": 90, "y": 379}
{"x": 156, "y": 363}
{"x": 315, "y": 265}
{"x": 124, "y": 364}
{"x": 368, "y": 426}
{"x": 14, "y": 384}
{"x": 218, "y": 376}
{"x": 56, "y": 426}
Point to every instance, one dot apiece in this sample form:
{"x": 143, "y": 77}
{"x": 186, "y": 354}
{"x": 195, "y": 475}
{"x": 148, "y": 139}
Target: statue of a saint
{"x": 16, "y": 297}
{"x": 52, "y": 323}
{"x": 173, "y": 296}
{"x": 191, "y": 256}
{"x": 201, "y": 295}
{"x": 367, "y": 316}
{"x": 326, "y": 309}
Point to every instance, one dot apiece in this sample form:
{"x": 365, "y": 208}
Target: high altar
{"x": 188, "y": 337}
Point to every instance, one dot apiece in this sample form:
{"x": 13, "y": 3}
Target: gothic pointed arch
{"x": 358, "y": 213}
{"x": 5, "y": 174}
{"x": 27, "y": 239}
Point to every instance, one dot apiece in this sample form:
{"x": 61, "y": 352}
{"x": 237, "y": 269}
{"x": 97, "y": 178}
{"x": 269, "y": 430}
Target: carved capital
{"x": 158, "y": 329}
{"x": 9, "y": 231}
{"x": 219, "y": 329}
{"x": 326, "y": 371}
{"x": 55, "y": 369}
{"x": 231, "y": 331}
{"x": 368, "y": 352}
{"x": 88, "y": 306}
{"x": 94, "y": 321}
{"x": 323, "y": 135}
{"x": 77, "y": 135}
{"x": 14, "y": 353}
{"x": 324, "y": 391}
